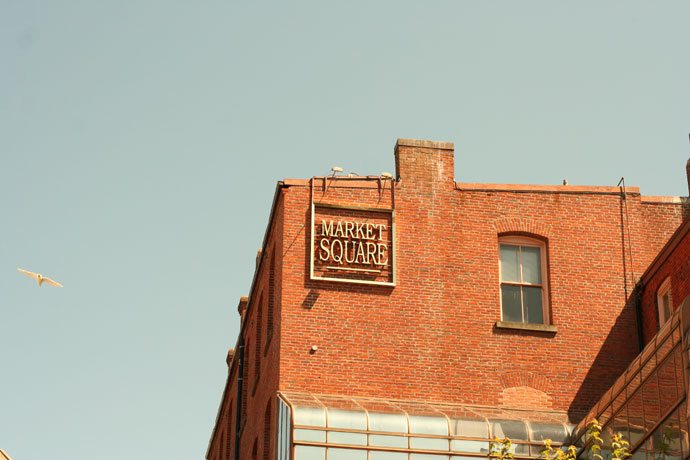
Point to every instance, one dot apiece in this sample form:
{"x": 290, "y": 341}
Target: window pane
{"x": 650, "y": 401}
{"x": 428, "y": 457}
{"x": 346, "y": 454}
{"x": 429, "y": 444}
{"x": 423, "y": 424}
{"x": 310, "y": 453}
{"x": 666, "y": 439}
{"x": 635, "y": 418}
{"x": 667, "y": 384}
{"x": 510, "y": 263}
{"x": 512, "y": 307}
{"x": 381, "y": 455}
{"x": 531, "y": 265}
{"x": 310, "y": 435}
{"x": 339, "y": 437}
{"x": 462, "y": 445}
{"x": 534, "y": 312}
{"x": 383, "y": 440}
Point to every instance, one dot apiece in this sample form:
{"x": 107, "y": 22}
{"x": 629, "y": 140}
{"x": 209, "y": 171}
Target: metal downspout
{"x": 240, "y": 384}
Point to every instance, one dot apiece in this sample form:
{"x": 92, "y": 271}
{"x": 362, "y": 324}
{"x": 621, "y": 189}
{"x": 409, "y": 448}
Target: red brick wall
{"x": 677, "y": 267}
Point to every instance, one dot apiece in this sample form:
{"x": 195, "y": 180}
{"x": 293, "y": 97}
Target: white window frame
{"x": 663, "y": 290}
{"x": 517, "y": 240}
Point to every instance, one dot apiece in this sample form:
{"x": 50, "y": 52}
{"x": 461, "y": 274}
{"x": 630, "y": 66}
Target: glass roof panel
{"x": 346, "y": 419}
{"x": 423, "y": 424}
{"x": 476, "y": 428}
{"x": 664, "y": 348}
{"x": 618, "y": 386}
{"x": 388, "y": 423}
{"x": 604, "y": 416}
{"x": 632, "y": 369}
{"x": 513, "y": 429}
{"x": 310, "y": 416}
{"x": 347, "y": 404}
{"x": 541, "y": 431}
{"x": 665, "y": 329}
{"x": 676, "y": 335}
{"x": 648, "y": 353}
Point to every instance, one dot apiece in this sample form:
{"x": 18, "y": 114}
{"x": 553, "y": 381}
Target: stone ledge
{"x": 526, "y": 326}
{"x": 579, "y": 189}
{"x": 666, "y": 199}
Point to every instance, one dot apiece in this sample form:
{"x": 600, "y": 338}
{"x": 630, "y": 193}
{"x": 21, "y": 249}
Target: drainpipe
{"x": 240, "y": 384}
{"x": 637, "y": 294}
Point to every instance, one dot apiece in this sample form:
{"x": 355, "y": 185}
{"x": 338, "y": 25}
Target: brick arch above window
{"x": 525, "y": 379}
{"x": 522, "y": 225}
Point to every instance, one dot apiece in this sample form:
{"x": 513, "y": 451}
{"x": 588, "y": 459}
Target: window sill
{"x": 526, "y": 326}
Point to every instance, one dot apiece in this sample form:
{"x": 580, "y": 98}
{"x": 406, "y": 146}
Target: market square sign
{"x": 352, "y": 244}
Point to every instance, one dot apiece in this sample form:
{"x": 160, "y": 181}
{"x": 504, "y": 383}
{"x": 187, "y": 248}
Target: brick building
{"x": 418, "y": 317}
{"x": 648, "y": 402}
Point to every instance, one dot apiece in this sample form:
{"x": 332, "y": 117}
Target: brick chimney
{"x": 428, "y": 164}
{"x": 242, "y": 306}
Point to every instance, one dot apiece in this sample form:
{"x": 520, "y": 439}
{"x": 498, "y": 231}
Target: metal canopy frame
{"x": 450, "y": 414}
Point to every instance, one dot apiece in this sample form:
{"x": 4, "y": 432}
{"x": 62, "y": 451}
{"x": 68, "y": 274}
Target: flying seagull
{"x": 40, "y": 279}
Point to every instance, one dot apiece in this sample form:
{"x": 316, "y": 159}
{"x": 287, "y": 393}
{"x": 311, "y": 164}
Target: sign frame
{"x": 392, "y": 252}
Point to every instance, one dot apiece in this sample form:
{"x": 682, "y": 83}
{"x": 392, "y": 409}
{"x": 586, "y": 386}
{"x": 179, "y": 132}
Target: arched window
{"x": 524, "y": 281}
{"x": 663, "y": 301}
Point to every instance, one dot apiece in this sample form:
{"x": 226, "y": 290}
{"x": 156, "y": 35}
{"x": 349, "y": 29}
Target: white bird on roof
{"x": 40, "y": 279}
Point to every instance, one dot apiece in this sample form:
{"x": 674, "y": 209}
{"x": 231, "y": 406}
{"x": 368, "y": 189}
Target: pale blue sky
{"x": 140, "y": 144}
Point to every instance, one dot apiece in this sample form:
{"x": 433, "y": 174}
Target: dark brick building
{"x": 417, "y": 317}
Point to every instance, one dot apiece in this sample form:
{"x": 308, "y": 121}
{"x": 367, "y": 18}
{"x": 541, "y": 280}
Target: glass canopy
{"x": 324, "y": 427}
{"x": 647, "y": 404}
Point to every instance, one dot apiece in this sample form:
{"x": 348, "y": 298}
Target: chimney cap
{"x": 425, "y": 144}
